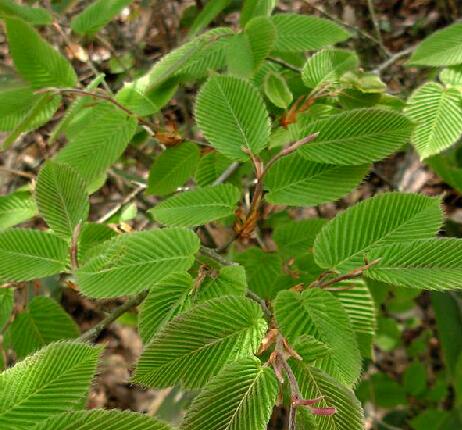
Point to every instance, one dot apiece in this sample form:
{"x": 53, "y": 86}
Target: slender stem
{"x": 355, "y": 273}
{"x": 227, "y": 173}
{"x": 284, "y": 64}
{"x": 92, "y": 334}
{"x": 256, "y": 298}
{"x": 210, "y": 253}
{"x": 119, "y": 205}
{"x": 96, "y": 95}
{"x": 393, "y": 59}
{"x": 375, "y": 21}
{"x": 74, "y": 247}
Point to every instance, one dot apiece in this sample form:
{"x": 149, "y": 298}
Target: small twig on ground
{"x": 117, "y": 207}
{"x": 375, "y": 21}
{"x": 17, "y": 172}
{"x": 227, "y": 173}
{"x": 92, "y": 334}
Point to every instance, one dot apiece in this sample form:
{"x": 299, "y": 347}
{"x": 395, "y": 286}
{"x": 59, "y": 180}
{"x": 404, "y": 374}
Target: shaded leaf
{"x": 16, "y": 208}
{"x": 34, "y": 15}
{"x": 277, "y": 90}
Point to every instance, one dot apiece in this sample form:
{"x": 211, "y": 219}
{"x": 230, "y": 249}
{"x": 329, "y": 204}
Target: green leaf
{"x": 191, "y": 60}
{"x": 6, "y": 305}
{"x": 277, "y": 90}
{"x": 133, "y": 262}
{"x": 241, "y": 397}
{"x": 358, "y": 303}
{"x": 37, "y": 61}
{"x": 52, "y": 381}
{"x": 297, "y": 237}
{"x": 95, "y": 16}
{"x": 43, "y": 322}
{"x": 210, "y": 168}
{"x": 433, "y": 264}
{"x": 326, "y": 67}
{"x": 198, "y": 206}
{"x": 441, "y": 48}
{"x": 247, "y": 51}
{"x": 437, "y": 112}
{"x": 306, "y": 33}
{"x": 415, "y": 379}
{"x": 315, "y": 383}
{"x": 61, "y": 198}
{"x": 451, "y": 76}
{"x": 254, "y": 8}
{"x": 262, "y": 269}
{"x": 232, "y": 115}
{"x": 173, "y": 168}
{"x": 41, "y": 110}
{"x": 91, "y": 237}
{"x": 379, "y": 221}
{"x": 318, "y": 313}
{"x": 100, "y": 418}
{"x": 34, "y": 15}
{"x": 295, "y": 181}
{"x": 16, "y": 208}
{"x": 104, "y": 130}
{"x": 230, "y": 281}
{"x": 210, "y": 11}
{"x": 355, "y": 137}
{"x": 29, "y": 254}
{"x": 196, "y": 345}
{"x": 164, "y": 301}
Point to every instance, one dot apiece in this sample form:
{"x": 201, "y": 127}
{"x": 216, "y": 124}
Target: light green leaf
{"x": 16, "y": 208}
{"x": 326, "y": 67}
{"x": 210, "y": 11}
{"x": 91, "y": 237}
{"x": 134, "y": 262}
{"x": 318, "y": 313}
{"x": 103, "y": 130}
{"x": 306, "y": 33}
{"x": 6, "y": 305}
{"x": 29, "y": 254}
{"x": 358, "y": 303}
{"x": 434, "y": 264}
{"x": 43, "y": 322}
{"x": 437, "y": 112}
{"x": 315, "y": 383}
{"x": 441, "y": 48}
{"x": 61, "y": 198}
{"x": 42, "y": 109}
{"x": 95, "y": 16}
{"x": 34, "y": 15}
{"x": 254, "y": 8}
{"x": 247, "y": 51}
{"x": 196, "y": 345}
{"x": 173, "y": 168}
{"x": 210, "y": 168}
{"x": 355, "y": 137}
{"x": 451, "y": 76}
{"x": 277, "y": 90}
{"x": 191, "y": 60}
{"x": 232, "y": 115}
{"x": 230, "y": 281}
{"x": 241, "y": 397}
{"x": 164, "y": 301}
{"x": 295, "y": 181}
{"x": 379, "y": 221}
{"x": 198, "y": 206}
{"x": 297, "y": 237}
{"x": 262, "y": 269}
{"x": 37, "y": 61}
{"x": 61, "y": 371}
{"x": 100, "y": 418}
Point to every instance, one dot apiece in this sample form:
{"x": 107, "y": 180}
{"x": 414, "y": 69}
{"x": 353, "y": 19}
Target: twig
{"x": 212, "y": 254}
{"x": 284, "y": 64}
{"x": 92, "y": 334}
{"x": 355, "y": 273}
{"x": 393, "y": 59}
{"x": 74, "y": 247}
{"x": 256, "y": 298}
{"x": 227, "y": 173}
{"x": 96, "y": 95}
{"x": 117, "y": 207}
{"x": 370, "y": 6}
{"x": 17, "y": 172}
{"x": 359, "y": 31}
